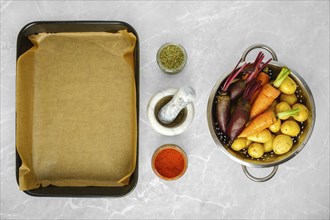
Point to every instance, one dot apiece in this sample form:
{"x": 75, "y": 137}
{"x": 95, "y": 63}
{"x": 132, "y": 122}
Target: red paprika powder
{"x": 170, "y": 162}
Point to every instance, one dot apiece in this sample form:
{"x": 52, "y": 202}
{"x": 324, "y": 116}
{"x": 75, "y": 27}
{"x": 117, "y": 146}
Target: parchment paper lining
{"x": 76, "y": 110}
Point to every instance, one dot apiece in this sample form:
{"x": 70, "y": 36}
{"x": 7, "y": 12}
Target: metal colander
{"x": 304, "y": 96}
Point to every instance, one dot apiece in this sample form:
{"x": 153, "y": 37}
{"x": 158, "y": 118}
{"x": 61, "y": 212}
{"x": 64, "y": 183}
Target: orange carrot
{"x": 268, "y": 94}
{"x": 265, "y": 120}
{"x": 264, "y": 78}
{"x": 258, "y": 124}
{"x": 265, "y": 98}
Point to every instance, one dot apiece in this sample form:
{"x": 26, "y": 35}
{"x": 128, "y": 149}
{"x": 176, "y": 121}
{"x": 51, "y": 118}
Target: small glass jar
{"x": 169, "y": 162}
{"x": 171, "y": 58}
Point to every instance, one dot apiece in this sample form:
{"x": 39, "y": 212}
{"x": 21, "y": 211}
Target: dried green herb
{"x": 171, "y": 57}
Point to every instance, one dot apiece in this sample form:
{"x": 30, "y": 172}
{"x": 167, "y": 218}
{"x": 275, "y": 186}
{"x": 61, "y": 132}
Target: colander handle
{"x": 255, "y": 46}
{"x": 259, "y": 179}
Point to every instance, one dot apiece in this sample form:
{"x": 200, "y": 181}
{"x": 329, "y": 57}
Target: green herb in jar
{"x": 171, "y": 58}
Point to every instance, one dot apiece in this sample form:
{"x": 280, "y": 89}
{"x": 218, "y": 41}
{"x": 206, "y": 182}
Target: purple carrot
{"x": 237, "y": 88}
{"x": 223, "y": 100}
{"x": 241, "y": 112}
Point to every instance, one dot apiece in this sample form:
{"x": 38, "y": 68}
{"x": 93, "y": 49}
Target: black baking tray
{"x": 23, "y": 44}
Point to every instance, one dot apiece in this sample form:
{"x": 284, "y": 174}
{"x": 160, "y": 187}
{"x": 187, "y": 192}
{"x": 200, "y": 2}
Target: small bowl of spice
{"x": 171, "y": 58}
{"x": 169, "y": 162}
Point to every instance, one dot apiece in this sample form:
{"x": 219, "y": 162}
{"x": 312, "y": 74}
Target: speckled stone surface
{"x": 215, "y": 34}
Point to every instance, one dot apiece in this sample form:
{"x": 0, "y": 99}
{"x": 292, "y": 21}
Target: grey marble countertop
{"x": 215, "y": 34}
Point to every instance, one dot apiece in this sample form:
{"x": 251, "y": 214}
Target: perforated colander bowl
{"x": 304, "y": 96}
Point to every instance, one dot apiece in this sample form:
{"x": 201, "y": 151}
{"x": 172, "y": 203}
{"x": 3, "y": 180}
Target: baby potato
{"x": 248, "y": 142}
{"x": 302, "y": 114}
{"x": 238, "y": 144}
{"x": 276, "y": 126}
{"x": 282, "y": 107}
{"x": 268, "y": 146}
{"x": 291, "y": 128}
{"x": 256, "y": 150}
{"x": 288, "y": 86}
{"x": 282, "y": 144}
{"x": 261, "y": 137}
{"x": 290, "y": 99}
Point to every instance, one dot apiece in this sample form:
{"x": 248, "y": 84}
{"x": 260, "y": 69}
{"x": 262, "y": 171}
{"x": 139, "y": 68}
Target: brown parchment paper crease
{"x": 76, "y": 110}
